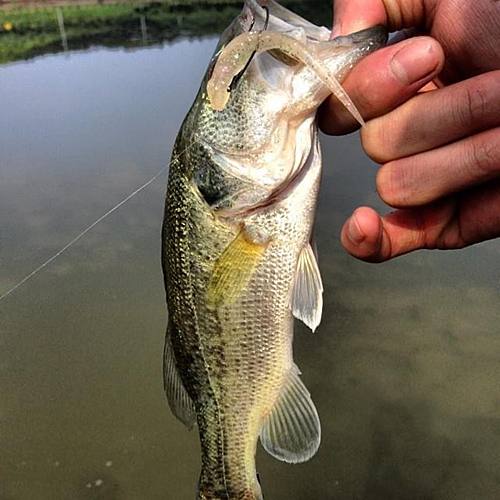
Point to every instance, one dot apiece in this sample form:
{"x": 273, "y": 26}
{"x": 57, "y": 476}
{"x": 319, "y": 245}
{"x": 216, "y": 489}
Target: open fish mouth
{"x": 259, "y": 131}
{"x": 290, "y": 39}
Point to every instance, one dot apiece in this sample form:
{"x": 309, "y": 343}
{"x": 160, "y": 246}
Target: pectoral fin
{"x": 292, "y": 432}
{"x": 233, "y": 269}
{"x": 307, "y": 295}
{"x": 180, "y": 403}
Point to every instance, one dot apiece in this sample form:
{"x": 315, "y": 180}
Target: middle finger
{"x": 435, "y": 118}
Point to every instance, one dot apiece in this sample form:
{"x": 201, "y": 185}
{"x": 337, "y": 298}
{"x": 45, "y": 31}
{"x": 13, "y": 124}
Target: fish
{"x": 237, "y": 253}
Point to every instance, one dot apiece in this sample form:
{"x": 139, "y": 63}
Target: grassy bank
{"x": 37, "y": 31}
{"x": 28, "y": 32}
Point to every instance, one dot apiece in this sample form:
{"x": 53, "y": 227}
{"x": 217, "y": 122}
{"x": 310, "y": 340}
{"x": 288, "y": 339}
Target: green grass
{"x": 36, "y": 30}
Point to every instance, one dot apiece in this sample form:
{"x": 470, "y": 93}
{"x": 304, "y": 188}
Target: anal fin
{"x": 292, "y": 431}
{"x": 180, "y": 403}
{"x": 307, "y": 294}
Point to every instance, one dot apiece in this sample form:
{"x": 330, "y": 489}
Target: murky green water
{"x": 404, "y": 368}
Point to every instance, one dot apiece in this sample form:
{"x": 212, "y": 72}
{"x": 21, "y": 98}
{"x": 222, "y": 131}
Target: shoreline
{"x": 40, "y": 4}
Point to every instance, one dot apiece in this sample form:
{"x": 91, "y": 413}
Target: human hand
{"x": 439, "y": 150}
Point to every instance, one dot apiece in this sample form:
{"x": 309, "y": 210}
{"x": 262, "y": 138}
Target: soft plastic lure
{"x": 235, "y": 56}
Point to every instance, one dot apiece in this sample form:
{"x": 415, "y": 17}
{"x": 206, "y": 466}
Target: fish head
{"x": 309, "y": 59}
{"x": 264, "y": 125}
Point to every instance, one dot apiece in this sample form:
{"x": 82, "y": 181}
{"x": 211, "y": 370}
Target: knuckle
{"x": 451, "y": 238}
{"x": 485, "y": 158}
{"x": 394, "y": 184}
{"x": 451, "y": 232}
{"x": 471, "y": 107}
{"x": 374, "y": 140}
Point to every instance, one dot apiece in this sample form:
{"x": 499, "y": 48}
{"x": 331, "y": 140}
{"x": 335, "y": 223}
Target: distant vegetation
{"x": 28, "y": 32}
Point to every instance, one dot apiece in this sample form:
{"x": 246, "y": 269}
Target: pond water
{"x": 404, "y": 368}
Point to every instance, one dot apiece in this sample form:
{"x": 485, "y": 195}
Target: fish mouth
{"x": 277, "y": 88}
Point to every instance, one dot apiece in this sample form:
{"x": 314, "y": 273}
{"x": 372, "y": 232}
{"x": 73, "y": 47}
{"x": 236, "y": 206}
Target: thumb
{"x": 382, "y": 82}
{"x": 354, "y": 15}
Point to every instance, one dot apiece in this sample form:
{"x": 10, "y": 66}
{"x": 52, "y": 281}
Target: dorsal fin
{"x": 307, "y": 295}
{"x": 180, "y": 403}
{"x": 292, "y": 431}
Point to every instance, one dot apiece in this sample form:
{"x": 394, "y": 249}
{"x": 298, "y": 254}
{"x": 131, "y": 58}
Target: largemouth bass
{"x": 237, "y": 254}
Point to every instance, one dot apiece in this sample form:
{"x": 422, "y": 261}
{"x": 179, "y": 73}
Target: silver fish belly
{"x": 237, "y": 253}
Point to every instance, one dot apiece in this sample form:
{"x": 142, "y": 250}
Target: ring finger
{"x": 426, "y": 177}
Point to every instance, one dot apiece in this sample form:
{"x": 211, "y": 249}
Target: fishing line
{"x": 85, "y": 231}
{"x": 116, "y": 207}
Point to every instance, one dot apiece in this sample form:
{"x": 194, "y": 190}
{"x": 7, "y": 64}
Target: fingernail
{"x": 354, "y": 232}
{"x": 414, "y": 61}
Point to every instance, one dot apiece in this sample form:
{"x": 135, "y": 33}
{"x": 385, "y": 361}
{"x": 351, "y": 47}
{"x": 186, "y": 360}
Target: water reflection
{"x": 404, "y": 368}
{"x": 29, "y": 32}
{"x": 80, "y": 355}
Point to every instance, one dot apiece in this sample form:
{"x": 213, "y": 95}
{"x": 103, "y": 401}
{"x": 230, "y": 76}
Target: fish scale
{"x": 237, "y": 258}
